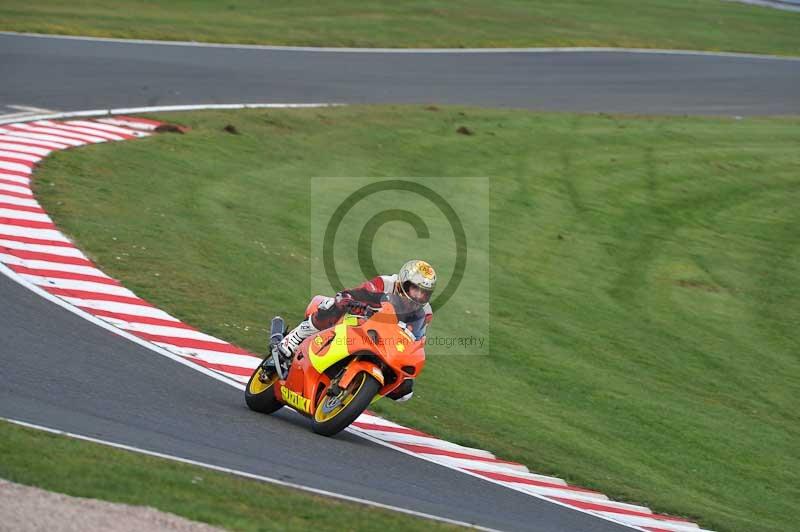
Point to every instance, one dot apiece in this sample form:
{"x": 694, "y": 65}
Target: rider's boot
{"x": 295, "y": 337}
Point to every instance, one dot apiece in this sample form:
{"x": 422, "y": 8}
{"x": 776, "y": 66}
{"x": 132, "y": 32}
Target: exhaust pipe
{"x": 276, "y": 330}
{"x": 275, "y": 336}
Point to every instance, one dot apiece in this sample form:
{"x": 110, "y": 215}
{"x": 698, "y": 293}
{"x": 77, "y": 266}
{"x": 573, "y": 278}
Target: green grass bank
{"x": 680, "y": 24}
{"x": 644, "y": 285}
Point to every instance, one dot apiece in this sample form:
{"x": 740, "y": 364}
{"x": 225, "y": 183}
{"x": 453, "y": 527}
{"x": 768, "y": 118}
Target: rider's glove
{"x": 342, "y": 300}
{"x": 345, "y": 303}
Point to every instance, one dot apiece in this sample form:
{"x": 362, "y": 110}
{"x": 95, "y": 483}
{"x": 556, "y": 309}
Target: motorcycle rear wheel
{"x": 260, "y": 394}
{"x": 334, "y": 414}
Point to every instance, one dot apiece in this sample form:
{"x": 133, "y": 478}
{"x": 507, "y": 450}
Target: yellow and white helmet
{"x": 416, "y": 281}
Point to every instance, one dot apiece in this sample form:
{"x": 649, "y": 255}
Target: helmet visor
{"x": 416, "y": 293}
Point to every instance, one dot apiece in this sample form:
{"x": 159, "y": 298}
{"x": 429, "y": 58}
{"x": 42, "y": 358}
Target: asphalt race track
{"x": 61, "y": 371}
{"x": 67, "y": 74}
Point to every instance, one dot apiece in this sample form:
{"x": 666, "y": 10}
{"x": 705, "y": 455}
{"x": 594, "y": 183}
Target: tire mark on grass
{"x": 649, "y": 217}
{"x": 567, "y": 171}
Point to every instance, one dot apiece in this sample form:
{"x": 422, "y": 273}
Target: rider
{"x": 413, "y": 286}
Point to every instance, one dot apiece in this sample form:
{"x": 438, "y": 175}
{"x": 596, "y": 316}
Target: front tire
{"x": 260, "y": 391}
{"x": 334, "y": 414}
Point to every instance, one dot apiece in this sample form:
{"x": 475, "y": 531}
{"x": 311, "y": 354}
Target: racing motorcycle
{"x": 335, "y": 374}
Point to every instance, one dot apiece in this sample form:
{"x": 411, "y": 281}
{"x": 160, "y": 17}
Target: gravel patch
{"x": 27, "y": 509}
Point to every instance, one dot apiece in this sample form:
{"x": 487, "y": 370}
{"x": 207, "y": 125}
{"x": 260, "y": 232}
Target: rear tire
{"x": 260, "y": 394}
{"x": 331, "y": 418}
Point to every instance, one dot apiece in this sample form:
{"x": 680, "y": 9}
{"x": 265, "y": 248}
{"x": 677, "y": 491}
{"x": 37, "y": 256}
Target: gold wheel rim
{"x": 257, "y": 386}
{"x": 350, "y": 394}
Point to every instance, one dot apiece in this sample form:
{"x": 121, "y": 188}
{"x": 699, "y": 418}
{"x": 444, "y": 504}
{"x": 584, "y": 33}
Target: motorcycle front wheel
{"x": 260, "y": 392}
{"x": 335, "y": 413}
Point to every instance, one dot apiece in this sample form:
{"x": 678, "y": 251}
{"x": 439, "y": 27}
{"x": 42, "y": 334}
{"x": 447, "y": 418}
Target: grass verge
{"x": 682, "y": 24}
{"x": 644, "y": 278}
{"x": 83, "y": 469}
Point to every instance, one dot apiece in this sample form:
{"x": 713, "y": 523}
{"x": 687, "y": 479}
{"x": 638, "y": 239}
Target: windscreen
{"x": 410, "y": 313}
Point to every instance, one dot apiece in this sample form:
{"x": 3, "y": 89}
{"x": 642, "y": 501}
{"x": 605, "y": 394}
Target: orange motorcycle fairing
{"x": 303, "y": 381}
{"x": 357, "y": 366}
